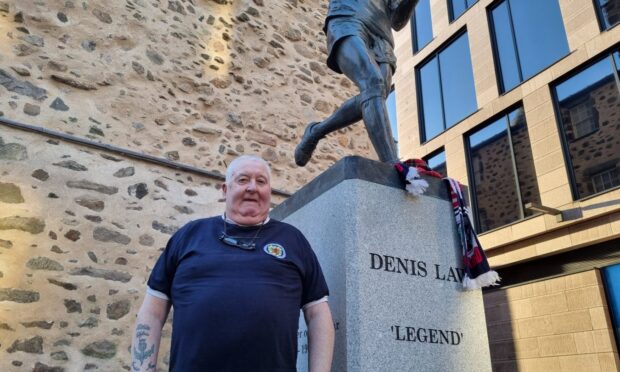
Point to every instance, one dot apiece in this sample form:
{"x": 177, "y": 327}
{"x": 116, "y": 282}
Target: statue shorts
{"x": 343, "y": 26}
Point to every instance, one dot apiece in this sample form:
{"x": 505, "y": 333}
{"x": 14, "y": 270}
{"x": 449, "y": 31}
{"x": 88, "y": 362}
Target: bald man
{"x": 237, "y": 283}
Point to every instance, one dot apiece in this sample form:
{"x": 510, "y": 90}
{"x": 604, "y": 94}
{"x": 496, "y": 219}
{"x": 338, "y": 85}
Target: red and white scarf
{"x": 478, "y": 273}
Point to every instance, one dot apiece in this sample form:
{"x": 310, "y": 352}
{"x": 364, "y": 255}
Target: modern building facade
{"x": 520, "y": 101}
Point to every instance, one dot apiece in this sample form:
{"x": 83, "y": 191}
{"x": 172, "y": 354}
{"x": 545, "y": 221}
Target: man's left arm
{"x": 321, "y": 336}
{"x": 401, "y": 12}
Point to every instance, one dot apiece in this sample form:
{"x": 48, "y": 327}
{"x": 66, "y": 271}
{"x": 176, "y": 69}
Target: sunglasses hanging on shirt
{"x": 234, "y": 241}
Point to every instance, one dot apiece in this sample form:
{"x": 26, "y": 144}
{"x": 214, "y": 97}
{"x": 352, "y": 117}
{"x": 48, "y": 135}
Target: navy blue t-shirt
{"x": 234, "y": 309}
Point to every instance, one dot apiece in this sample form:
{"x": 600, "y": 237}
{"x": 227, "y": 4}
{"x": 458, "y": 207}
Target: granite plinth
{"x": 394, "y": 269}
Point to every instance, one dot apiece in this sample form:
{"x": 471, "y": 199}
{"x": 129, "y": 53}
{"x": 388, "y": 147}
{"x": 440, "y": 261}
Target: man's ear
{"x": 224, "y": 189}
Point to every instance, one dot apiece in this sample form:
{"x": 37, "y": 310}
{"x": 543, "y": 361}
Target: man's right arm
{"x": 147, "y": 334}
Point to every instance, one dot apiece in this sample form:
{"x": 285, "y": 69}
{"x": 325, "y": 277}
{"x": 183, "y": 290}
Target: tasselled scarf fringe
{"x": 478, "y": 273}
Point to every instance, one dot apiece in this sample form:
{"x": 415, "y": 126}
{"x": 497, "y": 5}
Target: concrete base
{"x": 393, "y": 266}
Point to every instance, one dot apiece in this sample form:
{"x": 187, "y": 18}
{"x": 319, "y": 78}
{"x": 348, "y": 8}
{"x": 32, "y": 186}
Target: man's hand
{"x": 401, "y": 12}
{"x": 147, "y": 335}
{"x": 321, "y": 336}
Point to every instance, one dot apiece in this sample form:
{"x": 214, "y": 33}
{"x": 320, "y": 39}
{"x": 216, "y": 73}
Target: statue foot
{"x": 306, "y": 146}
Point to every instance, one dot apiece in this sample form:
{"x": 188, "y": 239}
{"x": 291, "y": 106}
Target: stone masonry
{"x": 559, "y": 324}
{"x": 80, "y": 230}
{"x": 195, "y": 82}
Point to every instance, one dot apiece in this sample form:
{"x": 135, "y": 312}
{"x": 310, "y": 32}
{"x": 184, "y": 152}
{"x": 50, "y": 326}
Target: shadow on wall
{"x": 500, "y": 328}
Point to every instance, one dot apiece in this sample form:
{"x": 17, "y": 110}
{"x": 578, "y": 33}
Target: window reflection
{"x": 609, "y": 12}
{"x": 421, "y": 24}
{"x": 446, "y": 88}
{"x": 502, "y": 171}
{"x": 437, "y": 162}
{"x": 457, "y": 81}
{"x": 611, "y": 275}
{"x": 458, "y": 7}
{"x": 524, "y": 161}
{"x": 505, "y": 48}
{"x": 529, "y": 36}
{"x": 432, "y": 111}
{"x": 390, "y": 104}
{"x": 605, "y": 179}
{"x": 589, "y": 111}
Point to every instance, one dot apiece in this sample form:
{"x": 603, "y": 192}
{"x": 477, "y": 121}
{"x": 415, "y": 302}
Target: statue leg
{"x": 350, "y": 112}
{"x": 373, "y": 81}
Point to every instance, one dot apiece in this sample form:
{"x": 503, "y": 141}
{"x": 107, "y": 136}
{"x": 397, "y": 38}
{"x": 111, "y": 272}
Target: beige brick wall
{"x": 579, "y": 21}
{"x": 526, "y": 239}
{"x": 585, "y": 41}
{"x": 560, "y": 324}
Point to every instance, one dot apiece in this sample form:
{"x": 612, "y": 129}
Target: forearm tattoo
{"x": 142, "y": 353}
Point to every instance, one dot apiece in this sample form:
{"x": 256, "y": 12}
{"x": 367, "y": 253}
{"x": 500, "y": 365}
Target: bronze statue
{"x": 360, "y": 45}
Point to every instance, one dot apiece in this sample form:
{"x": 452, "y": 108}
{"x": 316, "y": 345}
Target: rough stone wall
{"x": 197, "y": 82}
{"x": 80, "y": 230}
{"x": 600, "y": 148}
{"x": 194, "y": 81}
{"x": 495, "y": 185}
{"x": 494, "y": 178}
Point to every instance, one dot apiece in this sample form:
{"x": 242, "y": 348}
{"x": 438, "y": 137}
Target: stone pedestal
{"x": 393, "y": 266}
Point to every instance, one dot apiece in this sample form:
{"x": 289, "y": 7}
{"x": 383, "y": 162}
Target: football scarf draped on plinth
{"x": 478, "y": 273}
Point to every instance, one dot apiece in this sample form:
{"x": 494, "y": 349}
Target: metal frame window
{"x": 456, "y": 8}
{"x": 501, "y": 170}
{"x": 437, "y": 161}
{"x": 446, "y": 91}
{"x": 520, "y": 53}
{"x": 390, "y": 104}
{"x": 608, "y": 12}
{"x": 611, "y": 282}
{"x": 605, "y": 179}
{"x": 421, "y": 25}
{"x": 586, "y": 119}
{"x": 583, "y": 119}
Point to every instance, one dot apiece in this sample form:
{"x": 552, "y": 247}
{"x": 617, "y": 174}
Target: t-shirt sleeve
{"x": 165, "y": 267}
{"x": 314, "y": 285}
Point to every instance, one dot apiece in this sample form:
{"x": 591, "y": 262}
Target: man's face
{"x": 248, "y": 195}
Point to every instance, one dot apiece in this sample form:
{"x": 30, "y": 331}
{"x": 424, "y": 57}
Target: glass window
{"x": 583, "y": 119}
{"x": 458, "y": 7}
{"x": 604, "y": 180}
{"x": 390, "y": 103}
{"x": 457, "y": 81}
{"x": 501, "y": 170}
{"x": 588, "y": 105}
{"x": 505, "y": 48}
{"x": 432, "y": 111}
{"x": 437, "y": 162}
{"x": 446, "y": 88}
{"x": 608, "y": 12}
{"x": 421, "y": 25}
{"x": 611, "y": 276}
{"x": 520, "y": 50}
